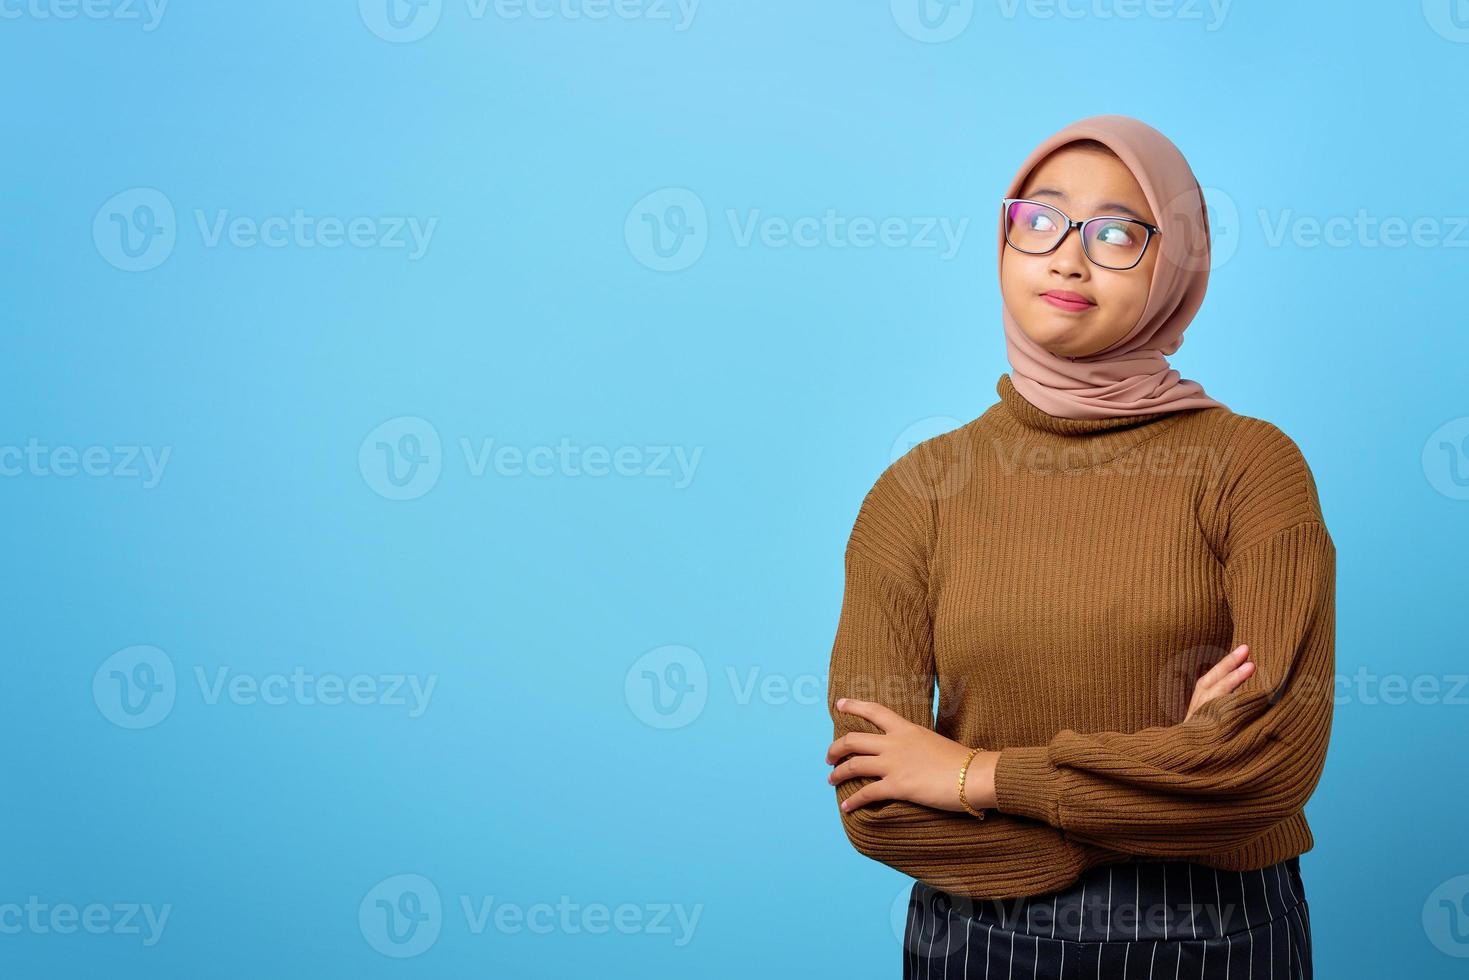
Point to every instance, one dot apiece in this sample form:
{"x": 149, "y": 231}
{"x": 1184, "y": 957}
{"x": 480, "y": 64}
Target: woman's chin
{"x": 1058, "y": 338}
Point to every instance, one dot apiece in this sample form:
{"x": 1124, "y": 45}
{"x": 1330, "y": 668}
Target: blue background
{"x": 543, "y": 768}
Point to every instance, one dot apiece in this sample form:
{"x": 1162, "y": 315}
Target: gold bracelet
{"x": 963, "y": 771}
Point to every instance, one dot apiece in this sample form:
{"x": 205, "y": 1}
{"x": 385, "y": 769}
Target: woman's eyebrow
{"x": 1106, "y": 207}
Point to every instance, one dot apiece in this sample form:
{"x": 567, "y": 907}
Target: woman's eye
{"x": 1042, "y": 222}
{"x": 1115, "y": 235}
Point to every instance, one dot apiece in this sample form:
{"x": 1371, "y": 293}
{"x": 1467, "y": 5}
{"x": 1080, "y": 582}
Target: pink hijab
{"x": 1132, "y": 376}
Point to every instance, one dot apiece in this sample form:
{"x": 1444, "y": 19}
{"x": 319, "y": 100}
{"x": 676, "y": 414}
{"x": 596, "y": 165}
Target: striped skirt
{"x": 1135, "y": 920}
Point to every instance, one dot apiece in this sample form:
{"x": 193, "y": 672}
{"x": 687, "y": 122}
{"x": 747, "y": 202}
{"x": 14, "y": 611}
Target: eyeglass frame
{"x": 1153, "y": 231}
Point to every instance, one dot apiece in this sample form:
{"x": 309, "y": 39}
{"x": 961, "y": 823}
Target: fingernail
{"x": 841, "y": 703}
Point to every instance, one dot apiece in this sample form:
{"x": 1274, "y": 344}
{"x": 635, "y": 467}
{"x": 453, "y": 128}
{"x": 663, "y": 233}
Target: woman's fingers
{"x": 1231, "y": 671}
{"x": 855, "y": 767}
{"x": 853, "y": 743}
{"x": 870, "y": 793}
{"x": 1226, "y": 665}
{"x": 880, "y": 715}
{"x": 1233, "y": 676}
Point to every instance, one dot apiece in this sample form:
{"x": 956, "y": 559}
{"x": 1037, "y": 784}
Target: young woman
{"x": 1125, "y": 595}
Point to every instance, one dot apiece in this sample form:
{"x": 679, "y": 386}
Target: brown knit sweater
{"x": 1064, "y": 582}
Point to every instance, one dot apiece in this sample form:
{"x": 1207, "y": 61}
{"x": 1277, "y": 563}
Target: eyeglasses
{"x": 1110, "y": 241}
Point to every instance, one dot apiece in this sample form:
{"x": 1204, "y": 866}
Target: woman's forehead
{"x": 1086, "y": 178}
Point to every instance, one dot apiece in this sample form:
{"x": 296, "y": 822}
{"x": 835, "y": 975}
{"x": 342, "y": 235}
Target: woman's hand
{"x": 1230, "y": 672}
{"x": 911, "y": 762}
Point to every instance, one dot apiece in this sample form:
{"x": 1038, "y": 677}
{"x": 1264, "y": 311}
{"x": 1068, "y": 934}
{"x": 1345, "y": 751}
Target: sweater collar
{"x": 1029, "y": 416}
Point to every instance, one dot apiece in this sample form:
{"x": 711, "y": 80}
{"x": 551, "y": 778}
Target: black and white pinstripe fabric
{"x": 1135, "y": 920}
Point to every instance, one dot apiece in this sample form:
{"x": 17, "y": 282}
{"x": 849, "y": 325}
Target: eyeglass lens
{"x": 1114, "y": 243}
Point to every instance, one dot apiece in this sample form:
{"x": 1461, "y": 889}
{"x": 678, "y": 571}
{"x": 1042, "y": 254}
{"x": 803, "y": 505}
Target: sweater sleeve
{"x": 1251, "y": 758}
{"x": 884, "y": 652}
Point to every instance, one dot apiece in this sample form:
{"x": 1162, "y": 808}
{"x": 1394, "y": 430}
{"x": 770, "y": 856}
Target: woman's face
{"x": 1082, "y": 183}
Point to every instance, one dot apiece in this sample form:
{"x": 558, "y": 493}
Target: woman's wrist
{"x": 976, "y": 791}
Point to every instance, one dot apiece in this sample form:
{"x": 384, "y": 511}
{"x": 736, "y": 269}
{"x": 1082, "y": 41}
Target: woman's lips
{"x": 1068, "y": 301}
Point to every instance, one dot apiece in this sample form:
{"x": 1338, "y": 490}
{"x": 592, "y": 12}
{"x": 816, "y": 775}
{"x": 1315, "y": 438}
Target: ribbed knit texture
{"x": 1064, "y": 582}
